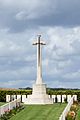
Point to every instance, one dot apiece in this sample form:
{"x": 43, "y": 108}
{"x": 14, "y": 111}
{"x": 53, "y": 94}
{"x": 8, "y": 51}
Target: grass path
{"x": 2, "y": 103}
{"x": 40, "y": 112}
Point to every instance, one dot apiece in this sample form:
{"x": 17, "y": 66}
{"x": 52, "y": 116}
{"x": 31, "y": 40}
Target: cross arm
{"x": 41, "y": 43}
{"x": 35, "y": 43}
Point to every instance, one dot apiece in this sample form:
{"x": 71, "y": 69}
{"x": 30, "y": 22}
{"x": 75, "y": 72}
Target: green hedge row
{"x": 66, "y": 92}
{"x": 3, "y": 93}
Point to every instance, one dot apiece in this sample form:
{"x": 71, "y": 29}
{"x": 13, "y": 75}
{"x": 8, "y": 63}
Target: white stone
{"x": 75, "y": 97}
{"x": 23, "y": 98}
{"x": 66, "y": 110}
{"x": 39, "y": 95}
{"x": 29, "y": 96}
{"x": 7, "y": 98}
{"x": 58, "y": 98}
{"x": 14, "y": 96}
{"x": 63, "y": 98}
{"x": 18, "y": 96}
{"x": 49, "y": 96}
{"x": 68, "y": 98}
{"x": 53, "y": 97}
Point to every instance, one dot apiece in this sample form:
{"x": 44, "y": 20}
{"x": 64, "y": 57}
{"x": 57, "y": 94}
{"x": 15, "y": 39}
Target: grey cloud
{"x": 16, "y": 83}
{"x": 20, "y": 21}
{"x": 21, "y": 15}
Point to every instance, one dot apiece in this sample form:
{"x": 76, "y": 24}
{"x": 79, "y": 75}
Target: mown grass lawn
{"x": 78, "y": 114}
{"x": 2, "y": 103}
{"x": 40, "y": 112}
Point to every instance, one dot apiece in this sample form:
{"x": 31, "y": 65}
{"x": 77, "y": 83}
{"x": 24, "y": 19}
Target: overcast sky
{"x": 58, "y": 21}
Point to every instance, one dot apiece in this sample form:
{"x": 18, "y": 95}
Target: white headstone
{"x": 28, "y": 96}
{"x": 68, "y": 98}
{"x": 49, "y": 96}
{"x": 18, "y": 96}
{"x": 75, "y": 97}
{"x": 63, "y": 98}
{"x": 7, "y": 98}
{"x": 14, "y": 97}
{"x": 23, "y": 98}
{"x": 53, "y": 97}
{"x": 58, "y": 98}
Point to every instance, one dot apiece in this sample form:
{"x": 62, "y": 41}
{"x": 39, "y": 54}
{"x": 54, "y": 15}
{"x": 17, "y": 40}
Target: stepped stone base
{"x": 39, "y": 95}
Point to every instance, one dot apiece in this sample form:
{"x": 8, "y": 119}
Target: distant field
{"x": 2, "y": 103}
{"x": 78, "y": 114}
{"x": 40, "y": 112}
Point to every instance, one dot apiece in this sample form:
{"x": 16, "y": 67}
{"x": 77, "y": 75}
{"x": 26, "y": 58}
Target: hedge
{"x": 3, "y": 93}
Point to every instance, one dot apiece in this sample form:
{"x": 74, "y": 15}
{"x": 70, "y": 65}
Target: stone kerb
{"x": 66, "y": 110}
{"x": 4, "y": 108}
{"x": 9, "y": 106}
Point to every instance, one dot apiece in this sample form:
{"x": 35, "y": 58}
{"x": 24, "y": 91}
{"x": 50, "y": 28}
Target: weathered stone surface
{"x": 39, "y": 95}
{"x": 7, "y": 98}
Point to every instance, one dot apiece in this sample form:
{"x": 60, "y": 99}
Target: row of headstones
{"x": 56, "y": 98}
{"x": 62, "y": 98}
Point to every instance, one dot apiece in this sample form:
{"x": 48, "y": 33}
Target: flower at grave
{"x": 7, "y": 111}
{"x": 72, "y": 113}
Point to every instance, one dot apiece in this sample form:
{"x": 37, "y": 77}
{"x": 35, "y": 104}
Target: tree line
{"x": 3, "y": 93}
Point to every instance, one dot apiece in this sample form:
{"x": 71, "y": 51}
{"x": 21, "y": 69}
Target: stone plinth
{"x": 39, "y": 95}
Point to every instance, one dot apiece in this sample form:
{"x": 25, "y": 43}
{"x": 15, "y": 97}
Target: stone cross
{"x": 39, "y": 59}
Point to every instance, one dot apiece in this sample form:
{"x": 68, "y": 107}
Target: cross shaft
{"x": 39, "y": 60}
